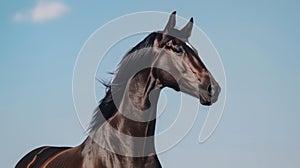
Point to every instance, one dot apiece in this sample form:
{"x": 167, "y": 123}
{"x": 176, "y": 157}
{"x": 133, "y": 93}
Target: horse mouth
{"x": 208, "y": 100}
{"x": 205, "y": 101}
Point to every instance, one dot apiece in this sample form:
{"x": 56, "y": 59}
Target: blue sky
{"x": 258, "y": 42}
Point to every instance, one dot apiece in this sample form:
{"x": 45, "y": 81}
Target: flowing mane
{"x": 130, "y": 61}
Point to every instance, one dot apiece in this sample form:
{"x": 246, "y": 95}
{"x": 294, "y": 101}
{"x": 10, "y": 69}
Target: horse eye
{"x": 177, "y": 50}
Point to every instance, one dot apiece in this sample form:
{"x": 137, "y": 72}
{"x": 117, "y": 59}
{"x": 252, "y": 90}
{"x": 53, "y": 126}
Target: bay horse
{"x": 123, "y": 126}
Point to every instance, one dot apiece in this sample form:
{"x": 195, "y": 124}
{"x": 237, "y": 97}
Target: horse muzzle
{"x": 211, "y": 95}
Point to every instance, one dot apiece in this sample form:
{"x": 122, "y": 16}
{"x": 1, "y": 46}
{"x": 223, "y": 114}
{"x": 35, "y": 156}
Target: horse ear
{"x": 172, "y": 22}
{"x": 187, "y": 30}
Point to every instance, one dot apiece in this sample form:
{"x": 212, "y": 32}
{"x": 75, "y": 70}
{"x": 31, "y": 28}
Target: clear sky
{"x": 258, "y": 42}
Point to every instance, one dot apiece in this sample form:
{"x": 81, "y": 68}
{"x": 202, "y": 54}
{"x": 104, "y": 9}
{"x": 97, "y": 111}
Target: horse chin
{"x": 205, "y": 102}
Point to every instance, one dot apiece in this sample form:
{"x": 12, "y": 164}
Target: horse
{"x": 123, "y": 125}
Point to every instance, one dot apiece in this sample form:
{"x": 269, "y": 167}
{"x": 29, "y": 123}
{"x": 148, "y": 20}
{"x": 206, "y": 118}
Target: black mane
{"x": 107, "y": 107}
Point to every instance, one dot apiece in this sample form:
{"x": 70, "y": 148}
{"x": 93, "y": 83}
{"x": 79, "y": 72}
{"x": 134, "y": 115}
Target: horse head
{"x": 179, "y": 65}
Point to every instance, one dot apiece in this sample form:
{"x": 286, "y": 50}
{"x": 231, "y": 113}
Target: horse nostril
{"x": 209, "y": 88}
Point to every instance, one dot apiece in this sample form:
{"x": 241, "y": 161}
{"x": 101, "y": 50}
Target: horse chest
{"x": 101, "y": 158}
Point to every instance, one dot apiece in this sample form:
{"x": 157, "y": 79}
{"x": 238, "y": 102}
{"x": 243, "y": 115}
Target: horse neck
{"x": 132, "y": 128}
{"x": 139, "y": 102}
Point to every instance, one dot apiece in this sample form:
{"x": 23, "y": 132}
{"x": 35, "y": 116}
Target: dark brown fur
{"x": 138, "y": 93}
